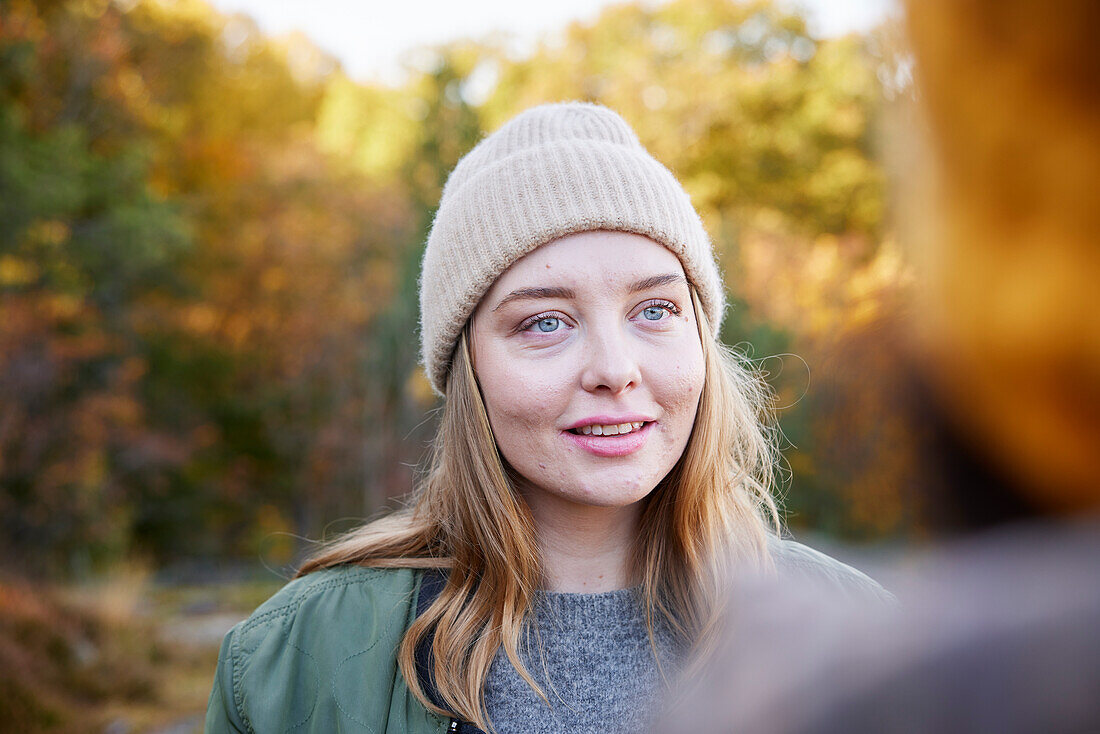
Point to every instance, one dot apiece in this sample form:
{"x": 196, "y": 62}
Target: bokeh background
{"x": 209, "y": 245}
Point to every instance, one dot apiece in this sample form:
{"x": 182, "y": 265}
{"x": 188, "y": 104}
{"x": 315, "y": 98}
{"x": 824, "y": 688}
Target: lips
{"x": 609, "y": 446}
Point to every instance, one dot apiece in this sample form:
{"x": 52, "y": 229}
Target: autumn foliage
{"x": 209, "y": 243}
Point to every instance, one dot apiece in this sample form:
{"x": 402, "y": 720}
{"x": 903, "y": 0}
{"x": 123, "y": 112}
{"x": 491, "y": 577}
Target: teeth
{"x": 613, "y": 429}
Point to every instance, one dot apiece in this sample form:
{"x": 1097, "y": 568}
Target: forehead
{"x": 594, "y": 260}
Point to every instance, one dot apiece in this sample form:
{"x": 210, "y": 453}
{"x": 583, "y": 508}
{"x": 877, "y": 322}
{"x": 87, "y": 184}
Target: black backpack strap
{"x": 431, "y": 584}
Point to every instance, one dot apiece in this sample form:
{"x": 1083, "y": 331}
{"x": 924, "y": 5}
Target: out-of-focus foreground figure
{"x": 998, "y": 629}
{"x": 1010, "y": 321}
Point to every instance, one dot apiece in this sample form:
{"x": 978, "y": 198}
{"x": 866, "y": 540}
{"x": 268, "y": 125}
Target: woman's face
{"x": 588, "y": 356}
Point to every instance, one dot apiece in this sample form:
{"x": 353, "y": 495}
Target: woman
{"x": 599, "y": 469}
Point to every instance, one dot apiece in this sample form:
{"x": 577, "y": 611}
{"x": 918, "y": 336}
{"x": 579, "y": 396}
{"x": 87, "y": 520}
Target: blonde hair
{"x": 714, "y": 509}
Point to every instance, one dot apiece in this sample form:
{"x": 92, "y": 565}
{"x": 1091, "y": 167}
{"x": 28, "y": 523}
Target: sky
{"x": 370, "y": 37}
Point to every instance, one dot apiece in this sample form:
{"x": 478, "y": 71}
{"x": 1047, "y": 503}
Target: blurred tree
{"x": 397, "y": 429}
{"x": 208, "y": 347}
{"x": 82, "y": 239}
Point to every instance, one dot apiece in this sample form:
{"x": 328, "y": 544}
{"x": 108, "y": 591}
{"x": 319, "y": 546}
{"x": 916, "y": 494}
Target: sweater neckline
{"x": 591, "y": 610}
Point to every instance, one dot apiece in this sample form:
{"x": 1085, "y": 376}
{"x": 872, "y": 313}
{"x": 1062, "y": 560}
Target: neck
{"x": 585, "y": 549}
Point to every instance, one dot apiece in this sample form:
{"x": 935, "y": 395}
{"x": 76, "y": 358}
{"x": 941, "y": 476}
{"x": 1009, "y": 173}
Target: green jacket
{"x": 320, "y": 655}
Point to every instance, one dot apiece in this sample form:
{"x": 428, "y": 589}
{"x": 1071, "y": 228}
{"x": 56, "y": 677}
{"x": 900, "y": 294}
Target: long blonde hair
{"x": 714, "y": 509}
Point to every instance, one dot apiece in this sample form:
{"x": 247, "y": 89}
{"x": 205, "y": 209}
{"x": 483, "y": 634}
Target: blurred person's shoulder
{"x": 796, "y": 562}
{"x": 999, "y": 632}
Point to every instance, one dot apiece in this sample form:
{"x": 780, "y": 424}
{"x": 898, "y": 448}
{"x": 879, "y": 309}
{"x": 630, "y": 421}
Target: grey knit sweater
{"x": 597, "y": 667}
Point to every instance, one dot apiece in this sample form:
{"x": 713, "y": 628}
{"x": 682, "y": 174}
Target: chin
{"x": 612, "y": 494}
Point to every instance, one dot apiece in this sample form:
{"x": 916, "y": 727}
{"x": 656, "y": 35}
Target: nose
{"x": 610, "y": 364}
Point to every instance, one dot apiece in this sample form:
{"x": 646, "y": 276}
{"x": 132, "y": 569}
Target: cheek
{"x": 524, "y": 425}
{"x": 679, "y": 384}
{"x": 519, "y": 402}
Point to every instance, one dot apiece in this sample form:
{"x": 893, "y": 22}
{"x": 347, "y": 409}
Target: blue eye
{"x": 654, "y": 313}
{"x": 550, "y": 323}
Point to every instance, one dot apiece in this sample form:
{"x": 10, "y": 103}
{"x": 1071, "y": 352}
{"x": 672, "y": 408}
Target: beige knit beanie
{"x": 552, "y": 170}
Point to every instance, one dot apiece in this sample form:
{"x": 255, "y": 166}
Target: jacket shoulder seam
{"x": 238, "y": 702}
{"x": 317, "y": 587}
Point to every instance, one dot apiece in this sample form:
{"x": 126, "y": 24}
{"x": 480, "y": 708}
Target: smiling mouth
{"x": 613, "y": 429}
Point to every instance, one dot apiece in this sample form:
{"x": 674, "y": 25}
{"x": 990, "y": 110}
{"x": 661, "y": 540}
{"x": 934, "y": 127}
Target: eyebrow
{"x": 653, "y": 281}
